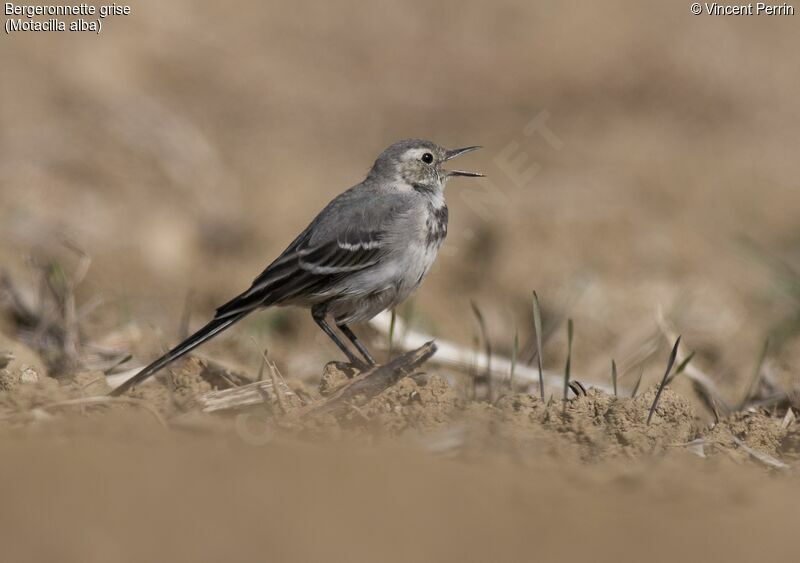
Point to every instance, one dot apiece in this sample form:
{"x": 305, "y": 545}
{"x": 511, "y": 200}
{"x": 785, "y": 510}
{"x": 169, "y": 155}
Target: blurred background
{"x": 636, "y": 156}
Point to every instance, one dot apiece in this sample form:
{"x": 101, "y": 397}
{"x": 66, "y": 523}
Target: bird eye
{"x": 427, "y": 158}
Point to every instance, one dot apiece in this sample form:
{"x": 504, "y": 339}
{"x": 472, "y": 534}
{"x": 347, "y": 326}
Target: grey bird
{"x": 365, "y": 252}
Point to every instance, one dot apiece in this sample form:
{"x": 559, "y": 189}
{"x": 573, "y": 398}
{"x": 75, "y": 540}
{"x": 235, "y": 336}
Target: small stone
{"x": 28, "y": 375}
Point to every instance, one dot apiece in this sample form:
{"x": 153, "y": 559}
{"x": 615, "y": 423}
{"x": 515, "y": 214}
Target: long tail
{"x": 213, "y": 328}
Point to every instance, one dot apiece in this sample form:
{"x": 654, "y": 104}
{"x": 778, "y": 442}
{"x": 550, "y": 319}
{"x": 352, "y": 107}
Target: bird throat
{"x": 423, "y": 188}
{"x": 436, "y": 224}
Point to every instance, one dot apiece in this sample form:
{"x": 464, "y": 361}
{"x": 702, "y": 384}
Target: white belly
{"x": 399, "y": 273}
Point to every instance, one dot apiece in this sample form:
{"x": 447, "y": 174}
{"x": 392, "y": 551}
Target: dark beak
{"x": 464, "y": 173}
{"x": 452, "y": 153}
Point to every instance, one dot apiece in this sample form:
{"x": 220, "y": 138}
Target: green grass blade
{"x": 568, "y": 366}
{"x": 514, "y": 356}
{"x": 681, "y": 367}
{"x": 636, "y": 385}
{"x": 537, "y": 324}
{"x": 661, "y": 387}
{"x": 614, "y": 376}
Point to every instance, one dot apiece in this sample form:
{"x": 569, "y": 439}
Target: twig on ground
{"x": 373, "y": 382}
{"x": 449, "y": 354}
{"x": 760, "y": 456}
{"x": 276, "y": 385}
{"x": 251, "y": 394}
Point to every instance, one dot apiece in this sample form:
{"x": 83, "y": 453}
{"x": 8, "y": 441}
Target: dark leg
{"x": 319, "y": 317}
{"x": 357, "y": 343}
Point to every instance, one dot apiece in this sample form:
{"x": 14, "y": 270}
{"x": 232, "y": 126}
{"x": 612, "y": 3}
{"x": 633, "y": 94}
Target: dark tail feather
{"x": 209, "y": 331}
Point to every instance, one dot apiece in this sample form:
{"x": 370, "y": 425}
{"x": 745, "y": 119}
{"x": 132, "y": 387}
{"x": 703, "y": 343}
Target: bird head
{"x": 419, "y": 164}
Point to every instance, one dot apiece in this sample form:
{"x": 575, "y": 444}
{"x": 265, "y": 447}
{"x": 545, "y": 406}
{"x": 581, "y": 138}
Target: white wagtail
{"x": 366, "y": 252}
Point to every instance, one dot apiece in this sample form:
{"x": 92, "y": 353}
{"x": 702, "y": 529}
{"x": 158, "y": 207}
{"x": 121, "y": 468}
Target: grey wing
{"x": 307, "y": 271}
{"x": 347, "y": 237}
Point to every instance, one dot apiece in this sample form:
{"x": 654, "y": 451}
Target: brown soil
{"x": 588, "y": 429}
{"x": 443, "y": 477}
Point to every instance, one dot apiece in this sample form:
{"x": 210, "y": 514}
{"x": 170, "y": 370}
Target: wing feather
{"x": 306, "y": 270}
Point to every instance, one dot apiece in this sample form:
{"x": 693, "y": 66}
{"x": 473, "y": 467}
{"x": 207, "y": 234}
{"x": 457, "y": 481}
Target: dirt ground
{"x": 159, "y": 496}
{"x": 641, "y": 177}
{"x": 417, "y": 473}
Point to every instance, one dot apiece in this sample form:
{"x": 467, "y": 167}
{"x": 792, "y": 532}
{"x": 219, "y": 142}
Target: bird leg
{"x": 319, "y": 317}
{"x": 357, "y": 343}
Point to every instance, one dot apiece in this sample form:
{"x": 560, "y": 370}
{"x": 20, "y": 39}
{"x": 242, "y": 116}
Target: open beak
{"x": 452, "y": 153}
